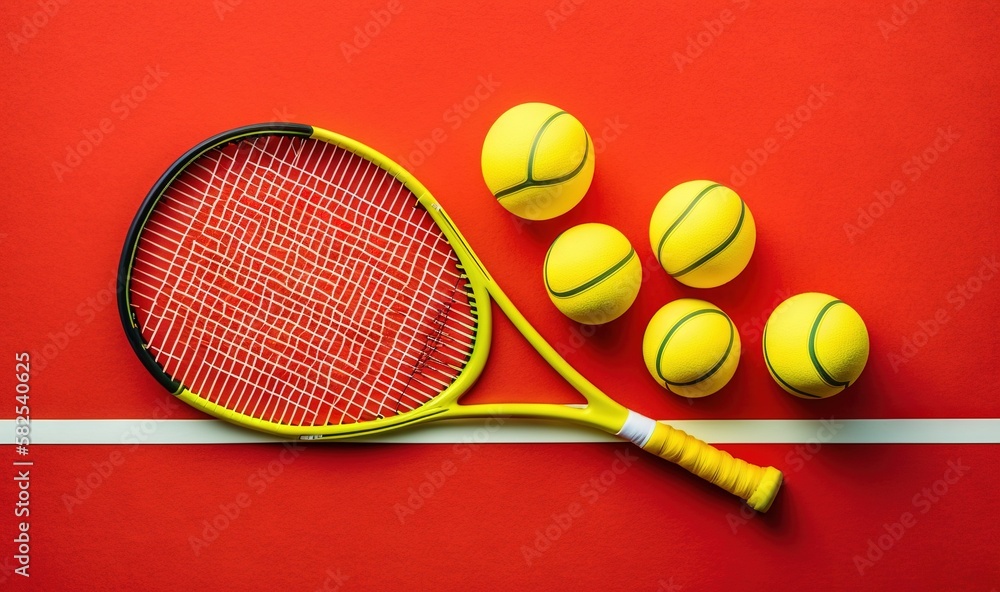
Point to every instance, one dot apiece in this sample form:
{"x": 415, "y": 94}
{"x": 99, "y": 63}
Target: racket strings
{"x": 294, "y": 281}
{"x": 215, "y": 229}
{"x": 430, "y": 362}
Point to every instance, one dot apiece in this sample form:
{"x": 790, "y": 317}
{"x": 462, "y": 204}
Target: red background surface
{"x": 890, "y": 89}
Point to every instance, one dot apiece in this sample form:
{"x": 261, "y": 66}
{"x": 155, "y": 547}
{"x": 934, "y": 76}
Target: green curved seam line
{"x": 729, "y": 239}
{"x": 774, "y": 373}
{"x": 588, "y": 284}
{"x": 677, "y": 325}
{"x": 823, "y": 374}
{"x": 531, "y": 182}
{"x": 687, "y": 210}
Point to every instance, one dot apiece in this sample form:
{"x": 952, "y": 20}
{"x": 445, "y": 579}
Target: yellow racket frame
{"x": 755, "y": 484}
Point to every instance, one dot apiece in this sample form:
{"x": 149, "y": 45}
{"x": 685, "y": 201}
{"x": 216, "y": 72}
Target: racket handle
{"x": 756, "y": 485}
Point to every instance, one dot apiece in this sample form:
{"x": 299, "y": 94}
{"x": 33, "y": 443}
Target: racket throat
{"x": 637, "y": 429}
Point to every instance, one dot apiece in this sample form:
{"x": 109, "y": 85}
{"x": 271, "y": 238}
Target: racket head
{"x": 255, "y": 170}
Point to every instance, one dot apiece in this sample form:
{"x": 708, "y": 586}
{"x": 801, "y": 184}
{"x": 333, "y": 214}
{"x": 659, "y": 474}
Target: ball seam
{"x": 575, "y": 291}
{"x": 824, "y": 375}
{"x": 673, "y": 226}
{"x": 722, "y": 247}
{"x": 774, "y": 373}
{"x": 530, "y": 181}
{"x": 708, "y": 374}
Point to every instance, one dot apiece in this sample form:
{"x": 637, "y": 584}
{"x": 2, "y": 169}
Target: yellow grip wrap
{"x": 756, "y": 485}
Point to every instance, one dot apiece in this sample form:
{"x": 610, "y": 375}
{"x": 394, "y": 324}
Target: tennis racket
{"x": 292, "y": 280}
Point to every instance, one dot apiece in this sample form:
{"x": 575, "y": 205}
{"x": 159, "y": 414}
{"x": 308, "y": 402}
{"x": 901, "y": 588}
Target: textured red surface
{"x": 863, "y": 137}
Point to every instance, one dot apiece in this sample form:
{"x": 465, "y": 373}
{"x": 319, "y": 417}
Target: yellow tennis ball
{"x": 702, "y": 233}
{"x": 538, "y": 161}
{"x": 691, "y": 347}
{"x": 592, "y": 273}
{"x": 815, "y": 345}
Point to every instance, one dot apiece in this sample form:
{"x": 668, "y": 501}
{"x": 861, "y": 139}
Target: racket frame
{"x": 600, "y": 412}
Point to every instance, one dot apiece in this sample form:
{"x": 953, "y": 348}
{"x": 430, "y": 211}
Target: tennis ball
{"x": 702, "y": 234}
{"x": 592, "y": 273}
{"x": 538, "y": 161}
{"x": 691, "y": 347}
{"x": 815, "y": 345}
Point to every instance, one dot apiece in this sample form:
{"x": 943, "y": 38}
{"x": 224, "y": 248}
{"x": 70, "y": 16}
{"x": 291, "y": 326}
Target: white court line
{"x": 717, "y": 431}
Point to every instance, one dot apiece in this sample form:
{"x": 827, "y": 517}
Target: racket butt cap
{"x": 762, "y": 497}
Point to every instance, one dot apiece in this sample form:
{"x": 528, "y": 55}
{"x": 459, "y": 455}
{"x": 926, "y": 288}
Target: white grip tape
{"x": 638, "y": 428}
